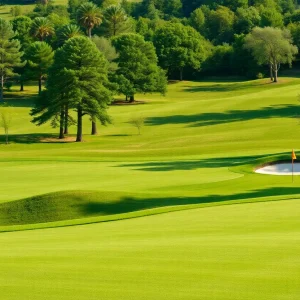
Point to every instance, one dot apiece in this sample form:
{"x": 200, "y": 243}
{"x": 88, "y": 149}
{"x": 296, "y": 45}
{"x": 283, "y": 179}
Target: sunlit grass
{"x": 198, "y": 148}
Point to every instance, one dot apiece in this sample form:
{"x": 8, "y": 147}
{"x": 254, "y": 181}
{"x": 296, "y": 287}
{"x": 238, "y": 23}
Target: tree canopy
{"x": 179, "y": 47}
{"x": 77, "y": 78}
{"x": 137, "y": 65}
{"x": 10, "y": 54}
{"x": 136, "y": 46}
{"x": 271, "y": 46}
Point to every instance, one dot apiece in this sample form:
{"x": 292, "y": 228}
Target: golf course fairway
{"x": 176, "y": 212}
{"x": 248, "y": 251}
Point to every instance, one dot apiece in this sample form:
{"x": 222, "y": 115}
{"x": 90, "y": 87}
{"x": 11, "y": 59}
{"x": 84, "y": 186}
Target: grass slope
{"x": 198, "y": 148}
{"x": 192, "y": 150}
{"x": 248, "y": 252}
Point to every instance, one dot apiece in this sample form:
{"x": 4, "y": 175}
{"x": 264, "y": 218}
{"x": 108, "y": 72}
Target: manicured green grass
{"x": 248, "y": 251}
{"x": 198, "y": 148}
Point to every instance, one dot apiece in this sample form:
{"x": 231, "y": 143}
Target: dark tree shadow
{"x": 49, "y": 209}
{"x": 231, "y": 87}
{"x": 206, "y": 119}
{"x": 117, "y": 135}
{"x": 131, "y": 204}
{"x": 185, "y": 165}
{"x": 18, "y": 100}
{"x": 33, "y": 138}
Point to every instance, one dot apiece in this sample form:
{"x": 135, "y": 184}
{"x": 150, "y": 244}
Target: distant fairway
{"x": 198, "y": 149}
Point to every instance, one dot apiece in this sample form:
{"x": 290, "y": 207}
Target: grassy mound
{"x": 57, "y": 207}
{"x": 83, "y": 207}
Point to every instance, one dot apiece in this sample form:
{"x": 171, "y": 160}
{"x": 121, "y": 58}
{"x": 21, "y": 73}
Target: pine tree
{"x": 137, "y": 66}
{"x": 10, "y": 54}
{"x": 39, "y": 57}
{"x": 77, "y": 79}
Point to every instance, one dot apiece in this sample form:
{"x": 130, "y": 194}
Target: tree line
{"x": 89, "y": 51}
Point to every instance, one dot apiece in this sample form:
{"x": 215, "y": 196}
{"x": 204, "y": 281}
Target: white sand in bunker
{"x": 279, "y": 169}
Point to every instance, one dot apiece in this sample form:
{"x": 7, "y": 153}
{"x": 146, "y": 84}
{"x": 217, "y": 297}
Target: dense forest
{"x": 211, "y": 32}
{"x": 88, "y": 51}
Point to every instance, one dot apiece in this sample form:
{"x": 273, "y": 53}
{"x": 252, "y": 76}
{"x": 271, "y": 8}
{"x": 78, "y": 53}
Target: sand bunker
{"x": 279, "y": 169}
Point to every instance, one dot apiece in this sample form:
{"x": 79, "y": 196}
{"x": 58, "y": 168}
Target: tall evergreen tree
{"x": 137, "y": 66}
{"x": 39, "y": 57}
{"x": 77, "y": 78}
{"x": 89, "y": 16}
{"x": 22, "y": 26}
{"x": 10, "y": 54}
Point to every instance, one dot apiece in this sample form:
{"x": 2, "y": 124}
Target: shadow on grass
{"x": 60, "y": 206}
{"x": 117, "y": 135}
{"x": 33, "y": 138}
{"x": 131, "y": 204}
{"x": 19, "y": 100}
{"x": 185, "y": 165}
{"x": 229, "y": 87}
{"x": 205, "y": 119}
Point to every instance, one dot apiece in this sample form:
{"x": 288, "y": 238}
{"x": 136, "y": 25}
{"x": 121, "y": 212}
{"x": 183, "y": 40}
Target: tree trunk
{"x": 275, "y": 69}
{"x": 66, "y": 130}
{"x": 131, "y": 99}
{"x": 40, "y": 84}
{"x": 90, "y": 32}
{"x": 271, "y": 73}
{"x": 276, "y": 75}
{"x": 2, "y": 87}
{"x": 21, "y": 86}
{"x": 181, "y": 74}
{"x": 79, "y": 124}
{"x": 61, "y": 123}
{"x": 94, "y": 127}
{"x": 126, "y": 98}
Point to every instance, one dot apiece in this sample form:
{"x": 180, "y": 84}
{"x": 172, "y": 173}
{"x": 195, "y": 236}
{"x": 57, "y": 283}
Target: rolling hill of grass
{"x": 248, "y": 251}
{"x": 196, "y": 153}
{"x": 174, "y": 213}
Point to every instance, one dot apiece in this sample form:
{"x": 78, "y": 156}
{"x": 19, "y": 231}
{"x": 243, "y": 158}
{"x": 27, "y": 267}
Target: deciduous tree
{"x": 180, "y": 47}
{"x": 271, "y": 46}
